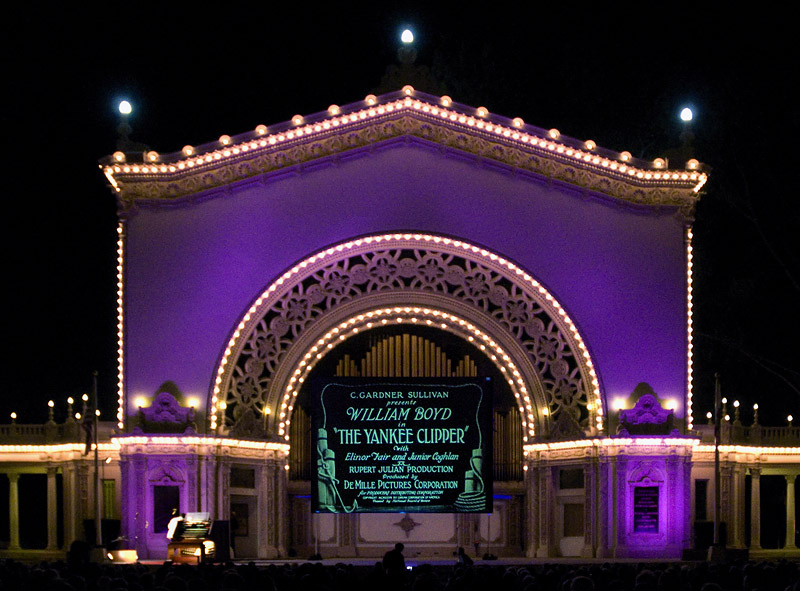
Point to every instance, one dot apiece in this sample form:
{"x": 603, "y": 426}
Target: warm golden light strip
{"x": 408, "y": 315}
{"x": 689, "y": 329}
{"x": 702, "y": 181}
{"x": 549, "y": 143}
{"x": 59, "y": 447}
{"x": 108, "y": 173}
{"x": 614, "y": 442}
{"x": 750, "y": 449}
{"x": 123, "y": 442}
{"x": 120, "y": 327}
{"x": 594, "y": 405}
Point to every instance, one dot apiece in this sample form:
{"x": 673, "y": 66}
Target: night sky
{"x": 615, "y": 77}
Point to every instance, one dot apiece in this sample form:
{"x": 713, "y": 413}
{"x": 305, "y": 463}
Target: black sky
{"x": 611, "y": 75}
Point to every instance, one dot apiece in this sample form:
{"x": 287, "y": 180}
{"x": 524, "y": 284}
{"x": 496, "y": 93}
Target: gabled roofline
{"x": 152, "y": 176}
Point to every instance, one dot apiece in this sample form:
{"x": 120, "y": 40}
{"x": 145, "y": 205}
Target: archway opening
{"x": 412, "y": 350}
{"x": 348, "y": 287}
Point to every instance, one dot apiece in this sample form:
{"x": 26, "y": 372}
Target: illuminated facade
{"x": 407, "y": 235}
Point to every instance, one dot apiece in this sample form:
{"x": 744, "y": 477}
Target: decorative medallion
{"x": 407, "y": 524}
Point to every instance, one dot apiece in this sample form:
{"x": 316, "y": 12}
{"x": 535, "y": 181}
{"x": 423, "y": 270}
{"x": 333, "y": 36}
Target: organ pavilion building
{"x": 403, "y": 236}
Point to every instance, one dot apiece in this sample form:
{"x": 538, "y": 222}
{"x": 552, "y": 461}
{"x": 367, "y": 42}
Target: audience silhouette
{"x": 78, "y": 575}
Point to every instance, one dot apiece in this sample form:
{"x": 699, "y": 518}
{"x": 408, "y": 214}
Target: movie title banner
{"x": 395, "y": 445}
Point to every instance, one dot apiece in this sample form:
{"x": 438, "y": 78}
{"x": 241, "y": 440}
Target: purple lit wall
{"x": 656, "y": 525}
{"x": 193, "y": 268}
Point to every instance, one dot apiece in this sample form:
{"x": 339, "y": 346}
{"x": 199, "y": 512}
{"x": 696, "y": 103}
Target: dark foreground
{"x": 698, "y": 576}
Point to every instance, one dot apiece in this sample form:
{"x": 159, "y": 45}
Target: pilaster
{"x": 282, "y": 509}
{"x": 620, "y": 506}
{"x": 532, "y": 488}
{"x": 687, "y": 502}
{"x": 589, "y": 508}
{"x": 604, "y": 470}
{"x": 674, "y": 530}
{"x": 547, "y": 508}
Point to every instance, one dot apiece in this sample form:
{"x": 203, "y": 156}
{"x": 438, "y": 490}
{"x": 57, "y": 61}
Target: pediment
{"x": 406, "y": 116}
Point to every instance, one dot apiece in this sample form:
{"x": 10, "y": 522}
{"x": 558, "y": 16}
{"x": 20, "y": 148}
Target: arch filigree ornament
{"x": 405, "y": 268}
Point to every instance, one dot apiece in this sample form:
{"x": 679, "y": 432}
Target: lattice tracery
{"x": 520, "y": 310}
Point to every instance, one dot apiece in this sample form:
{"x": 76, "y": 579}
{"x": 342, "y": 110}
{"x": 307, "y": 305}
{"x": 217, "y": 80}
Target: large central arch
{"x": 405, "y": 277}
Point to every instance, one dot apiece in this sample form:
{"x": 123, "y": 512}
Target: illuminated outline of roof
{"x": 495, "y": 138}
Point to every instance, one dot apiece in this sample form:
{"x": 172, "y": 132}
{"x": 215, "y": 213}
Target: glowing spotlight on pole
{"x": 686, "y": 115}
{"x": 407, "y": 36}
{"x": 125, "y": 108}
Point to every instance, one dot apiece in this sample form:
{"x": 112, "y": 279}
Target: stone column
{"x": 13, "y": 511}
{"x": 790, "y": 520}
{"x": 273, "y": 521}
{"x": 68, "y": 486}
{"x": 52, "y": 510}
{"x": 738, "y": 508}
{"x": 755, "y": 509}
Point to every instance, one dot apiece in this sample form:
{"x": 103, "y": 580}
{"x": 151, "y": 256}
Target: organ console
{"x": 191, "y": 541}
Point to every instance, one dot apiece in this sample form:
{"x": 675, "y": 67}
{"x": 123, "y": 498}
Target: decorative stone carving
{"x": 646, "y": 472}
{"x": 249, "y": 427}
{"x": 322, "y": 288}
{"x": 165, "y": 415}
{"x": 565, "y": 427}
{"x": 407, "y": 524}
{"x": 165, "y": 473}
{"x": 647, "y": 417}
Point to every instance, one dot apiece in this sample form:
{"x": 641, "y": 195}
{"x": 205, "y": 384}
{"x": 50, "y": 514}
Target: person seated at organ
{"x": 175, "y": 526}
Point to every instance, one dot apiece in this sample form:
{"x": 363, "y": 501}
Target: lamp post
{"x": 98, "y": 536}
{"x": 89, "y": 423}
{"x": 716, "y": 553}
{"x": 124, "y": 128}
{"x": 407, "y": 52}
